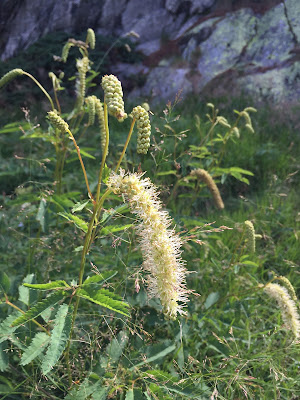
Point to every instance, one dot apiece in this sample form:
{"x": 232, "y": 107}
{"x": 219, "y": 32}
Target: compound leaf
{"x": 36, "y": 347}
{"x": 36, "y": 310}
{"x": 59, "y": 338}
{"x": 47, "y": 286}
{"x": 104, "y": 298}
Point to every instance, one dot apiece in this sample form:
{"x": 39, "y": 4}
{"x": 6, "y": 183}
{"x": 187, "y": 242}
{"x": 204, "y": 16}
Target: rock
{"x": 224, "y": 46}
{"x": 172, "y": 81}
{"x": 195, "y": 6}
{"x": 293, "y": 17}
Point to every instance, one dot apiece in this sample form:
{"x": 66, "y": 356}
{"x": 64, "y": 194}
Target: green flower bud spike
{"x": 90, "y": 101}
{"x": 58, "y": 122}
{"x": 100, "y": 115}
{"x": 144, "y": 129}
{"x": 82, "y": 67}
{"x": 113, "y": 97}
{"x": 65, "y": 51}
{"x": 250, "y": 236}
{"x": 90, "y": 38}
{"x": 10, "y": 76}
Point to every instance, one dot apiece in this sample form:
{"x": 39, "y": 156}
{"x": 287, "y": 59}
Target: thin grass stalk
{"x": 82, "y": 165}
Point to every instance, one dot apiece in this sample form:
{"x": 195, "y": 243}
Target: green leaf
{"x": 5, "y": 327}
{"x": 114, "y": 350}
{"x": 15, "y": 127}
{"x": 129, "y": 395}
{"x": 104, "y": 298}
{"x": 40, "y": 135}
{"x": 25, "y": 295}
{"x": 155, "y": 357}
{"x": 106, "y": 173}
{"x": 211, "y": 299}
{"x": 49, "y": 312}
{"x": 164, "y": 173}
{"x": 83, "y": 153}
{"x": 114, "y": 228}
{"x": 4, "y": 282}
{"x": 86, "y": 389}
{"x": 160, "y": 376}
{"x": 3, "y": 356}
{"x": 241, "y": 170}
{"x": 121, "y": 209}
{"x": 63, "y": 201}
{"x": 103, "y": 277}
{"x": 80, "y": 206}
{"x": 47, "y": 286}
{"x": 248, "y": 262}
{"x": 36, "y": 347}
{"x": 80, "y": 223}
{"x": 38, "y": 308}
{"x": 59, "y": 337}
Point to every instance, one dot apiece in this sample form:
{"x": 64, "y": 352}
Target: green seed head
{"x": 250, "y": 236}
{"x": 58, "y": 122}
{"x": 65, "y": 51}
{"x": 100, "y": 115}
{"x": 91, "y": 39}
{"x": 10, "y": 76}
{"x": 82, "y": 67}
{"x": 90, "y": 101}
{"x": 144, "y": 129}
{"x": 113, "y": 97}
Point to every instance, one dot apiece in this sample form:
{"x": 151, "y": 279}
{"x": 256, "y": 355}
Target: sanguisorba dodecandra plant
{"x": 160, "y": 245}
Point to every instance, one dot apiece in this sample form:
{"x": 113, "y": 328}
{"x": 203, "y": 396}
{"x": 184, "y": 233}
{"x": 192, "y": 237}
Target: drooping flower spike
{"x": 160, "y": 245}
{"x": 286, "y": 305}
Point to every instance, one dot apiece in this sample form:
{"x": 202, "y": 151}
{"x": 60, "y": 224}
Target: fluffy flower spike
{"x": 208, "y": 180}
{"x": 287, "y": 306}
{"x": 160, "y": 246}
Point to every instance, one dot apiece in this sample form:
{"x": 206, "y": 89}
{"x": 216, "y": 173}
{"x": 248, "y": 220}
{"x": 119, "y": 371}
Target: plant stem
{"x": 41, "y": 87}
{"x": 125, "y": 145}
{"x": 82, "y": 165}
{"x": 56, "y": 101}
{"x": 85, "y": 250}
{"x": 19, "y": 309}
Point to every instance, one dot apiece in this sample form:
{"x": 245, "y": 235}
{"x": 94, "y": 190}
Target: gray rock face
{"x": 199, "y": 46}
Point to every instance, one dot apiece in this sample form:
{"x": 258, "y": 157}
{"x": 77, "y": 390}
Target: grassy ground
{"x": 233, "y": 343}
